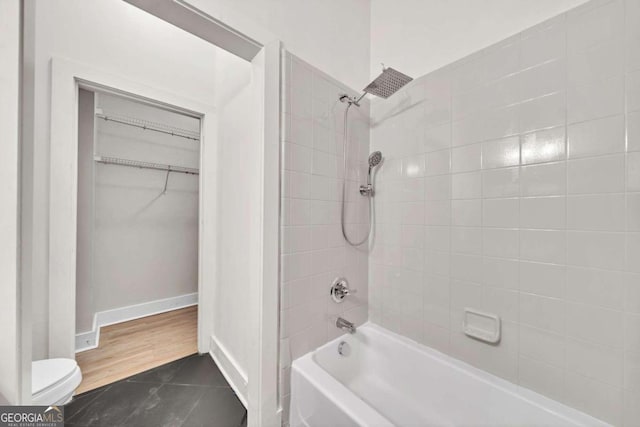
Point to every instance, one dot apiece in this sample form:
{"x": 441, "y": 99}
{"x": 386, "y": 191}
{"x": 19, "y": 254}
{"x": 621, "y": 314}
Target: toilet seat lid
{"x": 48, "y": 372}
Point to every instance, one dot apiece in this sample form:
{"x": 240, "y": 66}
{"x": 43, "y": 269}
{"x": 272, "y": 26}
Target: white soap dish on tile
{"x": 481, "y": 326}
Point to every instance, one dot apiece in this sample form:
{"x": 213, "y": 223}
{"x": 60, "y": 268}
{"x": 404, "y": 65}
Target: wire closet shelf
{"x": 152, "y": 126}
{"x": 146, "y": 165}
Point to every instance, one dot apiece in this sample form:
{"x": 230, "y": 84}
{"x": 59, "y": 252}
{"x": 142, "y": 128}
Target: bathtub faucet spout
{"x": 345, "y": 325}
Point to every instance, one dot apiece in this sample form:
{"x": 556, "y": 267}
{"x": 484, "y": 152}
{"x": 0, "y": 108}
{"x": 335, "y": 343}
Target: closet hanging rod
{"x": 145, "y": 165}
{"x": 146, "y": 126}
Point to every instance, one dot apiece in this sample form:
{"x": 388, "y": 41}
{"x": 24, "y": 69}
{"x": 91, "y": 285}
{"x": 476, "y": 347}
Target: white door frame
{"x": 66, "y": 78}
{"x": 10, "y": 296}
{"x": 264, "y": 407}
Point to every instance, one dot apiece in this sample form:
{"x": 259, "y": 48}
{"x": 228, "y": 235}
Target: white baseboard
{"x": 231, "y": 370}
{"x": 91, "y": 339}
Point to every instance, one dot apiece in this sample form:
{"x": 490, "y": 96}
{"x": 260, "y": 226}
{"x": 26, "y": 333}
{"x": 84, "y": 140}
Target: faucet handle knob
{"x": 340, "y": 289}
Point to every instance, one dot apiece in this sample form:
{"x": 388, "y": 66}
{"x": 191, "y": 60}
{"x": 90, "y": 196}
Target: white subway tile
{"x": 632, "y": 14}
{"x": 437, "y": 297}
{"x": 466, "y": 267}
{"x": 633, "y": 54}
{"x": 599, "y": 62}
{"x": 596, "y": 137}
{"x": 466, "y": 240}
{"x": 465, "y": 159}
{"x": 502, "y": 213}
{"x": 632, "y": 371}
{"x": 298, "y": 158}
{"x": 543, "y": 180}
{"x": 437, "y": 262}
{"x": 502, "y": 302}
{"x": 414, "y": 166}
{"x": 438, "y": 162}
{"x": 504, "y": 182}
{"x": 299, "y": 185}
{"x": 596, "y": 249}
{"x": 466, "y": 185}
{"x": 437, "y": 137}
{"x": 544, "y": 112}
{"x": 437, "y": 187}
{"x": 499, "y": 242}
{"x": 436, "y": 337}
{"x": 594, "y": 23}
{"x": 603, "y": 288}
{"x": 501, "y": 153}
{"x": 301, "y": 76}
{"x": 299, "y": 212}
{"x": 501, "y": 59}
{"x": 301, "y": 131}
{"x": 301, "y": 104}
{"x": 631, "y": 413}
{"x": 543, "y": 79}
{"x": 470, "y": 129}
{"x": 595, "y": 100}
{"x": 543, "y": 146}
{"x": 633, "y": 131}
{"x": 596, "y": 175}
{"x": 438, "y": 212}
{"x": 543, "y": 246}
{"x": 466, "y": 212}
{"x": 542, "y": 279}
{"x": 543, "y": 45}
{"x": 465, "y": 294}
{"x": 296, "y": 239}
{"x": 542, "y": 312}
{"x": 633, "y": 91}
{"x": 541, "y": 377}
{"x": 437, "y": 238}
{"x": 633, "y": 171}
{"x": 632, "y": 332}
{"x": 633, "y": 252}
{"x": 594, "y": 397}
{"x": 413, "y": 213}
{"x": 501, "y": 122}
{"x": 632, "y": 293}
{"x": 543, "y": 212}
{"x": 603, "y": 212}
{"x": 594, "y": 361}
{"x": 499, "y": 272}
{"x": 412, "y": 236}
{"x": 594, "y": 324}
{"x": 542, "y": 345}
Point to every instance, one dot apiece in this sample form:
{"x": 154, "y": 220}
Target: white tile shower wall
{"x": 511, "y": 184}
{"x": 313, "y": 250}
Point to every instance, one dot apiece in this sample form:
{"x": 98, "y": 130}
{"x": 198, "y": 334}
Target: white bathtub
{"x": 387, "y": 380}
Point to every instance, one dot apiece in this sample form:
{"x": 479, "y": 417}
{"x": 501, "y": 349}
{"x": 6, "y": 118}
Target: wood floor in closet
{"x": 135, "y": 346}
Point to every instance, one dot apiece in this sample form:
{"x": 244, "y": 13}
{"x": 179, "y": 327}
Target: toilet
{"x": 53, "y": 381}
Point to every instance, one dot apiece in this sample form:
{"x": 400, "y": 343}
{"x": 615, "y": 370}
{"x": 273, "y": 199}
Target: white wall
{"x": 9, "y": 134}
{"x": 511, "y": 185}
{"x": 141, "y": 245}
{"x": 419, "y": 36}
{"x": 239, "y": 202}
{"x": 118, "y": 38}
{"x": 333, "y": 35}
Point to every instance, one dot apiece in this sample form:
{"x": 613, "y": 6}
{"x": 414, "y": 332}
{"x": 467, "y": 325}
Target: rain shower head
{"x": 387, "y": 83}
{"x": 374, "y": 159}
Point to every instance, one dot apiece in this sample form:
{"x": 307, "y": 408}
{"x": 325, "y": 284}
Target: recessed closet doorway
{"x": 137, "y": 236}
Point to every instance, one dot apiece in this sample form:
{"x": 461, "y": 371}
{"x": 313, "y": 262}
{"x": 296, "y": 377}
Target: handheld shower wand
{"x": 374, "y": 160}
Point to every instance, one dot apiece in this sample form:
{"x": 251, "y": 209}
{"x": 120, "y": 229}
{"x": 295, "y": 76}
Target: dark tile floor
{"x": 189, "y": 392}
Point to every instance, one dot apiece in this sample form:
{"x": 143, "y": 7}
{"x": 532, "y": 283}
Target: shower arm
{"x": 352, "y": 99}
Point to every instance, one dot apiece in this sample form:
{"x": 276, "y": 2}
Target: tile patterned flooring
{"x": 189, "y": 392}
